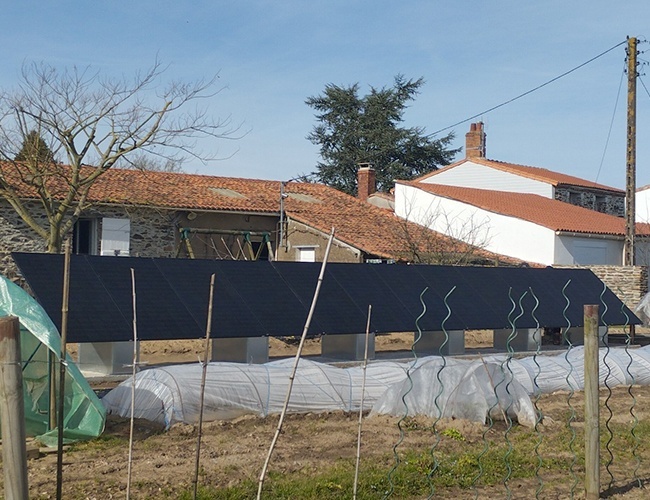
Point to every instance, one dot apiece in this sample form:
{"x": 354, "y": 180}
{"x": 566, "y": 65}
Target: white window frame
{"x": 116, "y": 237}
{"x": 306, "y": 253}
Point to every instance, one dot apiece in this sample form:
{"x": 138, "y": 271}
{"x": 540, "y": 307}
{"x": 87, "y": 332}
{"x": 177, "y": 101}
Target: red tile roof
{"x": 536, "y": 173}
{"x": 550, "y": 213}
{"x": 373, "y": 230}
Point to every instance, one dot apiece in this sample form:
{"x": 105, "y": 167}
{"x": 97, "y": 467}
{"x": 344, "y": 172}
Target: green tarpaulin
{"x": 84, "y": 413}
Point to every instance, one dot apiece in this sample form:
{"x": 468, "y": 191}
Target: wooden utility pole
{"x": 630, "y": 176}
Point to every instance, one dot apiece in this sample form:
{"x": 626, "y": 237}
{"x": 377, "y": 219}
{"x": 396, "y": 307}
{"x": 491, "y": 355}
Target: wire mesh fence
{"x": 508, "y": 424}
{"x": 540, "y": 457}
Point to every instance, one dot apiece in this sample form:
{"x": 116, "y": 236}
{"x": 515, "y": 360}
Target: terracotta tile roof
{"x": 536, "y": 173}
{"x": 550, "y": 213}
{"x": 373, "y": 230}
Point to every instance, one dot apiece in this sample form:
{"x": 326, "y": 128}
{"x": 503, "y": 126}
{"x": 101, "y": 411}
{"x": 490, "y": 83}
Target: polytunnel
{"x": 432, "y": 386}
{"x": 84, "y": 415}
{"x": 172, "y": 394}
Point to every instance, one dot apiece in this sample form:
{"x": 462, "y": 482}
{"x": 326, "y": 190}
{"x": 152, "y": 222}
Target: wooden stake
{"x": 592, "y": 412}
{"x": 206, "y": 356}
{"x": 62, "y": 365}
{"x": 12, "y": 410}
{"x": 134, "y": 372}
{"x": 295, "y": 367}
{"x": 363, "y": 391}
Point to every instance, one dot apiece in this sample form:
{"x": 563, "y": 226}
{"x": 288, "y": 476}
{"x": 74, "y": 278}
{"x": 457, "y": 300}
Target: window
{"x": 116, "y": 235}
{"x": 84, "y": 237}
{"x": 306, "y": 254}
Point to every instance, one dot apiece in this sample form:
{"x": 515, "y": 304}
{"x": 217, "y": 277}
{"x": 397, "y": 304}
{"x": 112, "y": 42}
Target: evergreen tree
{"x": 353, "y": 129}
{"x": 35, "y": 150}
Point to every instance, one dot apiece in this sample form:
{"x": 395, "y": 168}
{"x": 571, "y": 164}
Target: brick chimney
{"x": 475, "y": 141}
{"x": 366, "y": 181}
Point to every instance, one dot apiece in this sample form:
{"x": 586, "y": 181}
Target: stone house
{"x": 161, "y": 214}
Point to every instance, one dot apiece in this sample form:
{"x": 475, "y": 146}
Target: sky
{"x": 271, "y": 55}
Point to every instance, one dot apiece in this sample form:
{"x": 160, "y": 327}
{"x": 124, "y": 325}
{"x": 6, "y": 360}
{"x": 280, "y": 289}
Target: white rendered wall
{"x": 493, "y": 232}
{"x": 582, "y": 251}
{"x": 642, "y": 208}
{"x": 473, "y": 175}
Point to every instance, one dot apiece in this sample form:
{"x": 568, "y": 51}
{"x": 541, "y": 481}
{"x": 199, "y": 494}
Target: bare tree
{"x": 432, "y": 237}
{"x": 143, "y": 161}
{"x": 92, "y": 124}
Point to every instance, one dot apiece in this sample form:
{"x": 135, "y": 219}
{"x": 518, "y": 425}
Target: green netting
{"x": 84, "y": 414}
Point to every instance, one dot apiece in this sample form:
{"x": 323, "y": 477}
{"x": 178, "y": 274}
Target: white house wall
{"x": 583, "y": 251}
{"x": 493, "y": 232}
{"x": 642, "y": 208}
{"x": 473, "y": 175}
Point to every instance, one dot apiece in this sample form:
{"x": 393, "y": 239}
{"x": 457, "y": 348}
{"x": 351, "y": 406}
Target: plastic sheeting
{"x": 452, "y": 388}
{"x": 172, "y": 394}
{"x": 436, "y": 387}
{"x": 84, "y": 415}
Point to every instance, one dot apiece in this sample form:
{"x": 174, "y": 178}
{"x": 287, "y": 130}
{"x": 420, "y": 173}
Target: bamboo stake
{"x": 206, "y": 355}
{"x": 134, "y": 371}
{"x": 51, "y": 367}
{"x": 62, "y": 364}
{"x": 363, "y": 391}
{"x": 295, "y": 366}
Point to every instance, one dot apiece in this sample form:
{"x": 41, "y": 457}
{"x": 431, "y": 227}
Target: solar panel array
{"x": 273, "y": 298}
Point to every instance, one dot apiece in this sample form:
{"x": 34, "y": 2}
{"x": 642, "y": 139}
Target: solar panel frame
{"x": 273, "y": 298}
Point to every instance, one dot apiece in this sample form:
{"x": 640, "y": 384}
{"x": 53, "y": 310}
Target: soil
{"x": 163, "y": 462}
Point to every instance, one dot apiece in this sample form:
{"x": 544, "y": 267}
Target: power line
{"x": 643, "y": 85}
{"x": 529, "y": 91}
{"x": 611, "y": 125}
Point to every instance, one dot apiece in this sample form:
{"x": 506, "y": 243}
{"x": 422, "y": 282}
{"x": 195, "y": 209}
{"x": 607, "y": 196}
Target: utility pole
{"x": 630, "y": 176}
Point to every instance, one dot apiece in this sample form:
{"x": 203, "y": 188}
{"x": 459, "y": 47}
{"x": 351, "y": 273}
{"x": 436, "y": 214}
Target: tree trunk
{"x": 55, "y": 239}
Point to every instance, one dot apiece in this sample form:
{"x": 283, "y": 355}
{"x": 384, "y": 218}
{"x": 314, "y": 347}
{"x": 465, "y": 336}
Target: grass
{"x": 445, "y": 463}
{"x": 417, "y": 475}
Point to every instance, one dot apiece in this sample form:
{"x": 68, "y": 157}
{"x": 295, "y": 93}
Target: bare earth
{"x": 232, "y": 451}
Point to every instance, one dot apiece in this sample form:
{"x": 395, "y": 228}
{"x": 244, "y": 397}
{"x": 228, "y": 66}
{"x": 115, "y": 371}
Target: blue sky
{"x": 272, "y": 55}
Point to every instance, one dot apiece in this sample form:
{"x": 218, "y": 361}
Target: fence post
{"x": 12, "y": 410}
{"x": 592, "y": 414}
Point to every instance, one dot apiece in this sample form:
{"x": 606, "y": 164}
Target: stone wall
{"x": 593, "y": 200}
{"x": 16, "y": 236}
{"x": 629, "y": 283}
{"x": 153, "y": 232}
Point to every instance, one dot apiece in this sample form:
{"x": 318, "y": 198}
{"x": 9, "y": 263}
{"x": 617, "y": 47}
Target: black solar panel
{"x": 273, "y": 298}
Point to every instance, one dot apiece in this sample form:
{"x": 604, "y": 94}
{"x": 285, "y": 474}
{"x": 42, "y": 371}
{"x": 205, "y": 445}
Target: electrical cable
{"x": 529, "y": 91}
{"x": 643, "y": 85}
{"x": 611, "y": 126}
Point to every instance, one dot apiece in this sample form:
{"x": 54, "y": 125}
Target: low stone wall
{"x": 629, "y": 283}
